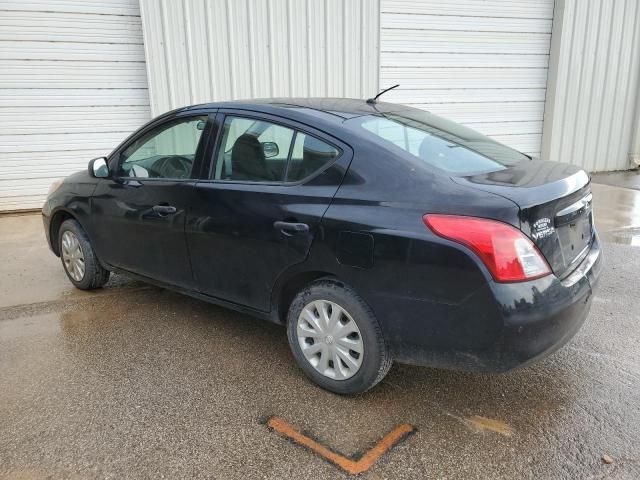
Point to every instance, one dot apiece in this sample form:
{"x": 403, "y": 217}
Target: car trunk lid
{"x": 555, "y": 207}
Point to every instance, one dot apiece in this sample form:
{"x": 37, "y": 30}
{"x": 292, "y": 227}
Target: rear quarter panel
{"x": 416, "y": 282}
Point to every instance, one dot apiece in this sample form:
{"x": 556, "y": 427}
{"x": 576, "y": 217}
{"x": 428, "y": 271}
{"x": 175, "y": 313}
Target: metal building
{"x": 558, "y": 79}
{"x": 73, "y": 84}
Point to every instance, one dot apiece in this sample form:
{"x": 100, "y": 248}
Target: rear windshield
{"x": 450, "y": 146}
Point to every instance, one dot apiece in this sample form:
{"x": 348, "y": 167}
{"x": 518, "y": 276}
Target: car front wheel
{"x": 336, "y": 339}
{"x": 78, "y": 258}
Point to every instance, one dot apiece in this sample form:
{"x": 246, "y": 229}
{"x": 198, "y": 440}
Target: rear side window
{"x": 309, "y": 156}
{"x": 254, "y": 150}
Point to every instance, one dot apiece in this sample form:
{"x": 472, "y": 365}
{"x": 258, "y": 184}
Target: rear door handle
{"x": 290, "y": 228}
{"x": 163, "y": 210}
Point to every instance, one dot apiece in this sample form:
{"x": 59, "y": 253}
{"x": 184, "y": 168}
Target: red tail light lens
{"x": 508, "y": 254}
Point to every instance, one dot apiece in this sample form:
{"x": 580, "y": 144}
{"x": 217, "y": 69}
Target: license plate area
{"x": 574, "y": 227}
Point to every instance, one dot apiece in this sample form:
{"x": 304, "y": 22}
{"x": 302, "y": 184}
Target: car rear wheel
{"x": 78, "y": 258}
{"x": 336, "y": 339}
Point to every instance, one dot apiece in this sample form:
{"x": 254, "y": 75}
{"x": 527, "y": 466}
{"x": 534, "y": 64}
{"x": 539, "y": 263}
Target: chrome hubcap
{"x": 330, "y": 340}
{"x": 72, "y": 256}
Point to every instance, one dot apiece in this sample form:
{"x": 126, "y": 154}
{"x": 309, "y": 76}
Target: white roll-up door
{"x": 481, "y": 63}
{"x": 73, "y": 84}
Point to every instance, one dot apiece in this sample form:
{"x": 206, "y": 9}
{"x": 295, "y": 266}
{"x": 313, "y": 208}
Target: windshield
{"x": 453, "y": 148}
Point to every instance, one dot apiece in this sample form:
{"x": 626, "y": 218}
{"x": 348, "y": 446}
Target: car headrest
{"x": 247, "y": 159}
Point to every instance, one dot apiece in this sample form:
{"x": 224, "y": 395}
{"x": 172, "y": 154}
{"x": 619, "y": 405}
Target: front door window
{"x": 166, "y": 152}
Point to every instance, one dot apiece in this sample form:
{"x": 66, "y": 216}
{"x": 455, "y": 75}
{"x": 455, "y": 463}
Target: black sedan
{"x": 375, "y": 232}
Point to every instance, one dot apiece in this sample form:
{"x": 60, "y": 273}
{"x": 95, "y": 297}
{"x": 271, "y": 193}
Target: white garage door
{"x": 72, "y": 85}
{"x": 481, "y": 63}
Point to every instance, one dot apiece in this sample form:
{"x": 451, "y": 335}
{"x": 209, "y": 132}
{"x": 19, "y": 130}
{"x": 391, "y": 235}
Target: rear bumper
{"x": 508, "y": 325}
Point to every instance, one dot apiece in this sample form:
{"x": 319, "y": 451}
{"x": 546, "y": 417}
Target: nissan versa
{"x": 375, "y": 232}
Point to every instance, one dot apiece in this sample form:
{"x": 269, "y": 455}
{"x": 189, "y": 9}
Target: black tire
{"x": 95, "y": 276}
{"x": 376, "y": 360}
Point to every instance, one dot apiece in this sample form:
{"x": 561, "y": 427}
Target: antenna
{"x": 374, "y": 100}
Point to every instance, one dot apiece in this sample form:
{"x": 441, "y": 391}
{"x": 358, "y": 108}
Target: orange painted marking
{"x": 350, "y": 466}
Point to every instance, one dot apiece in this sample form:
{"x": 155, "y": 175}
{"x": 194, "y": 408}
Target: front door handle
{"x": 290, "y": 228}
{"x": 163, "y": 210}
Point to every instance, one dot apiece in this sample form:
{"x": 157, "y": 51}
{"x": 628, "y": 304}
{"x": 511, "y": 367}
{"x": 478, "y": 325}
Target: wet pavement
{"x": 133, "y": 381}
{"x": 625, "y": 178}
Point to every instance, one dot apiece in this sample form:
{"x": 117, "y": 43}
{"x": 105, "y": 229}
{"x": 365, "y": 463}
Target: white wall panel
{"x": 73, "y": 84}
{"x": 111, "y": 7}
{"x": 475, "y": 8}
{"x": 426, "y": 78}
{"x": 65, "y": 27}
{"x": 44, "y": 50}
{"x": 483, "y": 64}
{"x": 634, "y": 157}
{"x": 488, "y": 112}
{"x": 80, "y": 119}
{"x": 86, "y": 97}
{"x": 477, "y": 60}
{"x": 467, "y": 22}
{"x": 421, "y": 40}
{"x": 594, "y": 84}
{"x": 65, "y": 74}
{"x": 200, "y": 51}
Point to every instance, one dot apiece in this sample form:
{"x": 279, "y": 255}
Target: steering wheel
{"x": 173, "y": 166}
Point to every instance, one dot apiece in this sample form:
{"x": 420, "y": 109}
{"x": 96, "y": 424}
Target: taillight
{"x": 506, "y": 252}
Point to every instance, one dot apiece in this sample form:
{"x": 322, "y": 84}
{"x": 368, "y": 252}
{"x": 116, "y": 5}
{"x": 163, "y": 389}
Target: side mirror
{"x": 270, "y": 149}
{"x": 98, "y": 168}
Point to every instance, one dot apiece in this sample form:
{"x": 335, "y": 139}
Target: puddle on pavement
{"x": 617, "y": 214}
{"x": 491, "y": 425}
{"x": 626, "y": 236}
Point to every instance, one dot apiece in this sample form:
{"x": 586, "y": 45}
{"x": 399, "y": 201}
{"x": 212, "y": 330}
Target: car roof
{"x": 328, "y": 115}
{"x": 330, "y": 109}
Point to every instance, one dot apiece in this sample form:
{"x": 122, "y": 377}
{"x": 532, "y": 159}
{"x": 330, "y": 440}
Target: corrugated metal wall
{"x": 594, "y": 84}
{"x": 199, "y": 51}
{"x": 72, "y": 86}
{"x": 481, "y": 63}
